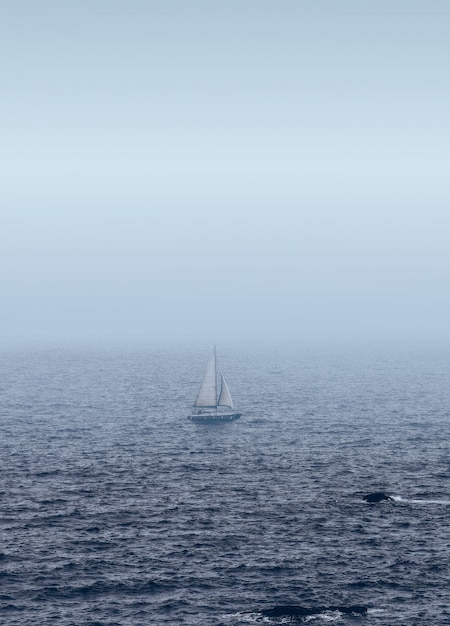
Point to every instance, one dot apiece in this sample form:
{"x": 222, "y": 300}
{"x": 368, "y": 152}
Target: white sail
{"x": 225, "y": 395}
{"x": 207, "y": 395}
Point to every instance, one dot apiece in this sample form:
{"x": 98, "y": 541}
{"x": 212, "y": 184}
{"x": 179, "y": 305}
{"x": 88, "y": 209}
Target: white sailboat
{"x": 210, "y": 406}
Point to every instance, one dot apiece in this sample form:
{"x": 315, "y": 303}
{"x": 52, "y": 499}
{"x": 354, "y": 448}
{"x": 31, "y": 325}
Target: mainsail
{"x": 207, "y": 395}
{"x": 225, "y": 396}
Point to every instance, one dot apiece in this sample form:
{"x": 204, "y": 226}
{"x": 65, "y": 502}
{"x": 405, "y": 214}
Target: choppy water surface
{"x": 117, "y": 510}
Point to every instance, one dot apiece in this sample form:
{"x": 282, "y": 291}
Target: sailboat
{"x": 210, "y": 407}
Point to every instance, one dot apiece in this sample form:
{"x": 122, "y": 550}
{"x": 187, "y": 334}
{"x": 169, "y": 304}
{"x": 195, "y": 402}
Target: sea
{"x": 116, "y": 510}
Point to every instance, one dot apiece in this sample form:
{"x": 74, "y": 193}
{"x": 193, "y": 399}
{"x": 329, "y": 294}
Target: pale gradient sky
{"x": 224, "y": 168}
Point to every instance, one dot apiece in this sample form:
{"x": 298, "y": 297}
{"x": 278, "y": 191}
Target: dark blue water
{"x": 117, "y": 510}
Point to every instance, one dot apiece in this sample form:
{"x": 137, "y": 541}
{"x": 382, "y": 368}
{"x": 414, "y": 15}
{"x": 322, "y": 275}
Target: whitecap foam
{"x": 246, "y": 618}
{"x": 329, "y": 616}
{"x": 415, "y": 501}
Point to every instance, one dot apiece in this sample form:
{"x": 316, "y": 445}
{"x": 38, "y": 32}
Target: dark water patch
{"x": 377, "y": 496}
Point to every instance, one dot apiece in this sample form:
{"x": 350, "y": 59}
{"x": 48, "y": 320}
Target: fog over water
{"x": 224, "y": 169}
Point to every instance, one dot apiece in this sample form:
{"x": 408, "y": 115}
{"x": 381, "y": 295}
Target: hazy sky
{"x": 224, "y": 168}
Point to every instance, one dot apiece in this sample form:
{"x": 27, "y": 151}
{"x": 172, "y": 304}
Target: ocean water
{"x": 115, "y": 510}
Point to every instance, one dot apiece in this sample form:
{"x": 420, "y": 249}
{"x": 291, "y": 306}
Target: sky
{"x": 230, "y": 168}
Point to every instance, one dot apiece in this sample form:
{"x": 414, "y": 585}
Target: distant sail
{"x": 207, "y": 407}
{"x": 225, "y": 395}
{"x": 207, "y": 395}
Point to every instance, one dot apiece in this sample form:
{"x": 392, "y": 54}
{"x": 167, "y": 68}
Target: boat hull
{"x": 218, "y": 418}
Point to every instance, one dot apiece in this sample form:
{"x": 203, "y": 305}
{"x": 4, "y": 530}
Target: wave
{"x": 99, "y": 588}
